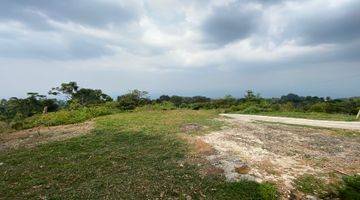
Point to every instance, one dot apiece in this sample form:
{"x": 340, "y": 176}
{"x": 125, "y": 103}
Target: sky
{"x": 183, "y": 47}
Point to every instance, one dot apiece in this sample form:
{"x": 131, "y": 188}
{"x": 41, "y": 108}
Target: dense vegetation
{"x": 87, "y": 102}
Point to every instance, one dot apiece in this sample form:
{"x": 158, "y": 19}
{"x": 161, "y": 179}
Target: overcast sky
{"x": 184, "y": 47}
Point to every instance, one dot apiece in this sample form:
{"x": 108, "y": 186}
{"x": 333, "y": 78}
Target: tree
{"x": 68, "y": 89}
{"x": 133, "y": 99}
{"x": 249, "y": 95}
{"x": 291, "y": 97}
{"x": 163, "y": 98}
{"x": 20, "y": 108}
{"x": 83, "y": 96}
{"x": 86, "y": 96}
{"x": 176, "y": 100}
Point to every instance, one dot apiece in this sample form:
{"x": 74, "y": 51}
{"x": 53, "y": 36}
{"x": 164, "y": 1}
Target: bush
{"x": 287, "y": 107}
{"x": 165, "y": 105}
{"x": 318, "y": 107}
{"x": 64, "y": 117}
{"x": 251, "y": 110}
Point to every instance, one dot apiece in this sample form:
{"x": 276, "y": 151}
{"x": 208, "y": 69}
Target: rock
{"x": 188, "y": 197}
{"x": 242, "y": 168}
{"x": 310, "y": 197}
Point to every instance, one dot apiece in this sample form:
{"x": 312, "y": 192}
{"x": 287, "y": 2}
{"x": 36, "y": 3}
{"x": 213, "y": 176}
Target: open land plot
{"x": 284, "y": 154}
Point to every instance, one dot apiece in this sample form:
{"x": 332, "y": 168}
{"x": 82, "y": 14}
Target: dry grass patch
{"x": 40, "y": 135}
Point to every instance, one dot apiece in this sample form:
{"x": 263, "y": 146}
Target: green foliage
{"x": 83, "y": 96}
{"x": 165, "y": 105}
{"x": 64, "y": 117}
{"x": 16, "y": 108}
{"x": 133, "y": 99}
{"x": 251, "y": 110}
{"x": 86, "y": 96}
{"x": 351, "y": 188}
{"x": 318, "y": 107}
{"x": 250, "y": 96}
{"x": 287, "y": 107}
{"x": 67, "y": 89}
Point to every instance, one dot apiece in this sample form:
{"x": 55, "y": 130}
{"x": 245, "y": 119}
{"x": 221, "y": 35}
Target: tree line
{"x": 74, "y": 97}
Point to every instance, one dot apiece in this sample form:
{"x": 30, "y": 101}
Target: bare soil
{"x": 40, "y": 135}
{"x": 280, "y": 153}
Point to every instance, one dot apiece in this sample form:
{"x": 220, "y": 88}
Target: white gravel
{"x": 297, "y": 121}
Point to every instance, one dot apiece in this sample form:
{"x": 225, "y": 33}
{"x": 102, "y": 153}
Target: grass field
{"x": 311, "y": 115}
{"x": 136, "y": 155}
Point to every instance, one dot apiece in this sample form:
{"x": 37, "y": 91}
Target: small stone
{"x": 1, "y": 163}
{"x": 242, "y": 169}
{"x": 309, "y": 197}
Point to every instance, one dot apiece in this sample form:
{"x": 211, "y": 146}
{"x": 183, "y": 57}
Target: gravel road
{"x": 297, "y": 121}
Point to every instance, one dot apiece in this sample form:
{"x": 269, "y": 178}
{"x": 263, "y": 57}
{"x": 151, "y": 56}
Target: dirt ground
{"x": 40, "y": 135}
{"x": 281, "y": 153}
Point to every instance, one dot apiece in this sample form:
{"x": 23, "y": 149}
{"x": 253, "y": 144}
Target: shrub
{"x": 64, "y": 117}
{"x": 165, "y": 105}
{"x": 251, "y": 110}
{"x": 287, "y": 107}
{"x": 318, "y": 107}
{"x": 4, "y": 127}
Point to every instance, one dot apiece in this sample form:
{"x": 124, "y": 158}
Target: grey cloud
{"x": 51, "y": 46}
{"x": 329, "y": 25}
{"x": 229, "y": 23}
{"x": 86, "y": 12}
{"x": 42, "y": 41}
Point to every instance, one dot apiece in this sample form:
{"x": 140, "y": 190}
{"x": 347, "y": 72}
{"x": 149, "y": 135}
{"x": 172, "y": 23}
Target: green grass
{"x": 311, "y": 115}
{"x": 351, "y": 188}
{"x": 309, "y": 184}
{"x": 128, "y": 156}
{"x": 347, "y": 189}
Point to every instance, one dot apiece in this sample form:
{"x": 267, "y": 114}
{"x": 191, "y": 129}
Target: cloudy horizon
{"x": 210, "y": 48}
